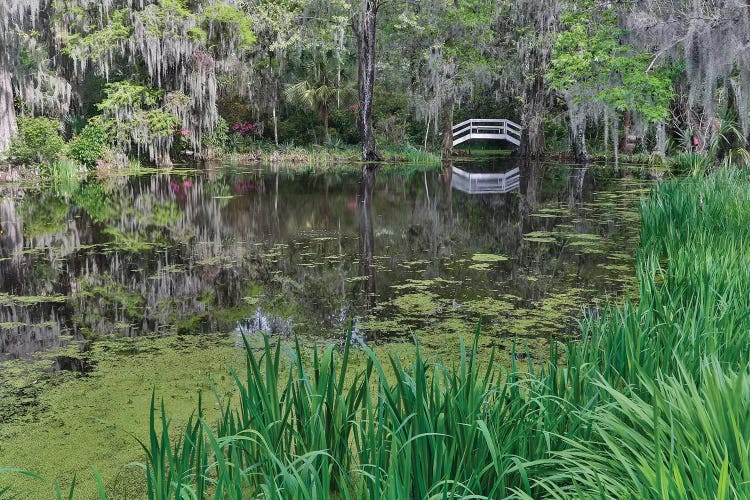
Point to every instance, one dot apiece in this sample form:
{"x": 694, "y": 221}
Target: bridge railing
{"x": 487, "y": 128}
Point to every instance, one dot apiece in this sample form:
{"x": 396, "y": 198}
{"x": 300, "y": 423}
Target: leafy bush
{"x": 344, "y": 124}
{"x": 90, "y": 145}
{"x": 38, "y": 141}
{"x": 219, "y": 138}
{"x": 689, "y": 164}
{"x": 300, "y": 126}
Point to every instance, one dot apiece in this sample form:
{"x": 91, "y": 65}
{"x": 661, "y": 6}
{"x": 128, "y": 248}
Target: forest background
{"x": 156, "y": 79}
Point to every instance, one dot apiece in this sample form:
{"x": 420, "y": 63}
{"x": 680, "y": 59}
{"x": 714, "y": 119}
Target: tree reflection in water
{"x": 250, "y": 251}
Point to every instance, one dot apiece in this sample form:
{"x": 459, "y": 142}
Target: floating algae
{"x": 540, "y": 237}
{"x": 480, "y": 267}
{"x": 419, "y": 304}
{"x": 357, "y": 279}
{"x": 25, "y": 300}
{"x": 488, "y": 306}
{"x": 423, "y": 284}
{"x": 488, "y": 257}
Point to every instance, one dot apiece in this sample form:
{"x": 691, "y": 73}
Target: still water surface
{"x": 396, "y": 253}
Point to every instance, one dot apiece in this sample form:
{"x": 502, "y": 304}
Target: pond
{"x": 119, "y": 285}
{"x": 396, "y": 253}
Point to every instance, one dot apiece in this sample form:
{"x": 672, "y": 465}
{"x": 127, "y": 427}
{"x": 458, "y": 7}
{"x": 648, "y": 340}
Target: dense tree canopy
{"x": 163, "y": 76}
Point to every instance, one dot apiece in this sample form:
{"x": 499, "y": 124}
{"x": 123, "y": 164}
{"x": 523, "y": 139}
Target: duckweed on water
{"x": 10, "y": 300}
{"x": 488, "y": 257}
{"x": 540, "y": 237}
{"x": 488, "y": 306}
{"x": 481, "y": 267}
{"x": 418, "y": 304}
{"x": 71, "y": 422}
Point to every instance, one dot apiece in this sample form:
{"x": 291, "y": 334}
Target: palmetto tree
{"x": 321, "y": 87}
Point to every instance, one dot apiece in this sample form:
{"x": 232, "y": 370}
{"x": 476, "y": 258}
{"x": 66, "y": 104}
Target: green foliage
{"x": 132, "y": 113}
{"x": 299, "y": 127}
{"x": 38, "y": 141}
{"x": 218, "y": 139}
{"x": 161, "y": 18}
{"x": 344, "y": 125}
{"x": 236, "y": 21}
{"x": 590, "y": 61}
{"x": 90, "y": 145}
{"x": 416, "y": 156}
{"x": 99, "y": 41}
{"x": 689, "y": 164}
{"x": 673, "y": 365}
{"x": 64, "y": 173}
{"x": 126, "y": 94}
{"x": 320, "y": 88}
{"x": 392, "y": 115}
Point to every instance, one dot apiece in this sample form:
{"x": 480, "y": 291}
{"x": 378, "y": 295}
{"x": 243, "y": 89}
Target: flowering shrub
{"x": 244, "y": 128}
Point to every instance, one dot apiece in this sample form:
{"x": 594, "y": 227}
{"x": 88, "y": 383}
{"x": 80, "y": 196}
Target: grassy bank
{"x": 650, "y": 402}
{"x": 321, "y": 156}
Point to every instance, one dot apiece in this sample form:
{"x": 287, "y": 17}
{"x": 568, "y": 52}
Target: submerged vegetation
{"x": 649, "y": 402}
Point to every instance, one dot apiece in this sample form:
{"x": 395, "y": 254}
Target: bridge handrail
{"x": 486, "y": 128}
{"x": 500, "y": 128}
{"x": 499, "y": 121}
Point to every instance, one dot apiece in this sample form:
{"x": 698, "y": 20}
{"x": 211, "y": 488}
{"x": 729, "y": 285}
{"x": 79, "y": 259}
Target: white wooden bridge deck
{"x": 485, "y": 128}
{"x": 485, "y": 183}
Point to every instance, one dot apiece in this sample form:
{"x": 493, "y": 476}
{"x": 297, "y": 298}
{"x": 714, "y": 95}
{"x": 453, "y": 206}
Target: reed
{"x": 670, "y": 370}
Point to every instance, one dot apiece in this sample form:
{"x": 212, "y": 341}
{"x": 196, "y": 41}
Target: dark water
{"x": 396, "y": 252}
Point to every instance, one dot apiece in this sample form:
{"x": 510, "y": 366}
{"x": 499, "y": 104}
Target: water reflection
{"x": 486, "y": 182}
{"x": 367, "y": 236}
{"x": 396, "y": 251}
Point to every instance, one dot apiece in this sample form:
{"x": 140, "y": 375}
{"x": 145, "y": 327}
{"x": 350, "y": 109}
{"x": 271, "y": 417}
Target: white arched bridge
{"x": 487, "y": 128}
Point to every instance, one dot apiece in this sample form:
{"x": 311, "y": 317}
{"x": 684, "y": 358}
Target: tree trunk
{"x": 364, "y": 24}
{"x": 162, "y": 158}
{"x": 629, "y": 141}
{"x": 578, "y": 139}
{"x": 7, "y": 111}
{"x": 324, "y": 116}
{"x": 661, "y": 140}
{"x": 447, "y": 115}
{"x": 275, "y": 126}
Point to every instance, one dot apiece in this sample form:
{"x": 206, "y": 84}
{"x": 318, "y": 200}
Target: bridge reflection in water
{"x": 485, "y": 182}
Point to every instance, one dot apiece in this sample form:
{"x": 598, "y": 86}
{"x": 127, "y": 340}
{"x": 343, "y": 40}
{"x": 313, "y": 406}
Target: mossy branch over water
{"x": 651, "y": 403}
